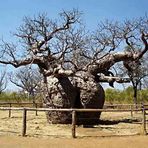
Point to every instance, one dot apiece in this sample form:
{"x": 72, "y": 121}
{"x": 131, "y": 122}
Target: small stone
{"x": 37, "y": 127}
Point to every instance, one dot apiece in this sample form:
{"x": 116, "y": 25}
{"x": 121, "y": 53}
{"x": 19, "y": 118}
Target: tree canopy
{"x": 62, "y": 47}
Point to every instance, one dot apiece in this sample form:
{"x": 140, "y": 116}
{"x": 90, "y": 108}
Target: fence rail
{"x": 20, "y": 103}
{"x": 10, "y": 104}
{"x": 130, "y": 107}
{"x": 74, "y": 117}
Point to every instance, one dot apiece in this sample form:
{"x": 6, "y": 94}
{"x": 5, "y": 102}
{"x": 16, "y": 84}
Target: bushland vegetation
{"x": 125, "y": 96}
{"x": 18, "y": 97}
{"x": 112, "y": 96}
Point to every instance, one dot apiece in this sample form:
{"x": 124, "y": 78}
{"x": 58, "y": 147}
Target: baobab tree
{"x": 72, "y": 61}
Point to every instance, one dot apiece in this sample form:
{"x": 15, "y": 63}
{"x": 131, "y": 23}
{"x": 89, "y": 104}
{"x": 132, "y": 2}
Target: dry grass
{"x": 113, "y": 124}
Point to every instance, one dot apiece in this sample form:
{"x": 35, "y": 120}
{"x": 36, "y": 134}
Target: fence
{"x": 37, "y": 104}
{"x": 74, "y": 117}
{"x": 22, "y": 104}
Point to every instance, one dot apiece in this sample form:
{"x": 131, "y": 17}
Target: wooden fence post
{"x": 143, "y": 121}
{"x": 73, "y": 124}
{"x": 36, "y": 112}
{"x": 24, "y": 122}
{"x": 131, "y": 111}
{"x": 10, "y": 110}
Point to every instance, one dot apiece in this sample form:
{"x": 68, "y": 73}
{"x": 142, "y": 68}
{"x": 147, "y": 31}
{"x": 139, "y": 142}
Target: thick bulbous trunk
{"x": 80, "y": 91}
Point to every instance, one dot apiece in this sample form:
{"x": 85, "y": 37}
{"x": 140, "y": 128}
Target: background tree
{"x": 144, "y": 82}
{"x": 137, "y": 72}
{"x": 3, "y": 81}
{"x": 114, "y": 96}
{"x": 68, "y": 84}
{"x": 29, "y": 79}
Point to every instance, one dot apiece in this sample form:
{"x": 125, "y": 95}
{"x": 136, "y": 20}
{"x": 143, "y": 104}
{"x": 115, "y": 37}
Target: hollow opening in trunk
{"x": 77, "y": 103}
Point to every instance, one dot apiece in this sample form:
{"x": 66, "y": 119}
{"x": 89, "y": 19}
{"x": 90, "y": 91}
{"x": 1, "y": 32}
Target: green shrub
{"x": 125, "y": 96}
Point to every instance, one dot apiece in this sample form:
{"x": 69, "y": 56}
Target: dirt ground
{"x": 103, "y": 142}
{"x": 115, "y": 130}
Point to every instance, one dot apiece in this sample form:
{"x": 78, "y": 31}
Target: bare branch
{"x": 143, "y": 38}
{"x": 26, "y": 78}
{"x": 63, "y": 49}
{"x": 3, "y": 81}
{"x": 109, "y": 60}
{"x": 103, "y": 78}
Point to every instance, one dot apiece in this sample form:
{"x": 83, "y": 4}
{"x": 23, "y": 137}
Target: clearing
{"x": 116, "y": 130}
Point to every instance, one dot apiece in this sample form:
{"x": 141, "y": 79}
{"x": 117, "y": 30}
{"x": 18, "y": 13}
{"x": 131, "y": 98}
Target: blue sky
{"x": 13, "y": 11}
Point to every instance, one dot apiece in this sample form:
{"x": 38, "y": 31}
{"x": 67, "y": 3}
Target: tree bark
{"x": 135, "y": 96}
{"x": 73, "y": 92}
